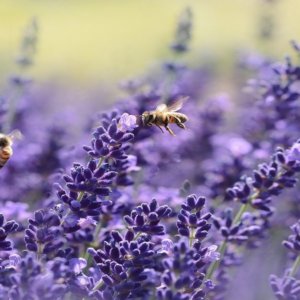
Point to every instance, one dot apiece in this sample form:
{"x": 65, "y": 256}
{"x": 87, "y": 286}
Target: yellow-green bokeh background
{"x": 87, "y": 41}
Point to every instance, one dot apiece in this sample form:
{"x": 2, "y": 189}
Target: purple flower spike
{"x": 146, "y": 218}
{"x": 293, "y": 242}
{"x": 286, "y": 288}
{"x": 191, "y": 222}
{"x": 6, "y": 228}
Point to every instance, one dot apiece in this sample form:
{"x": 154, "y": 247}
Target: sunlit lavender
{"x": 122, "y": 209}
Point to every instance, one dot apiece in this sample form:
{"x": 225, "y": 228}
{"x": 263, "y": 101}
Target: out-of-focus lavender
{"x": 288, "y": 287}
{"x": 129, "y": 212}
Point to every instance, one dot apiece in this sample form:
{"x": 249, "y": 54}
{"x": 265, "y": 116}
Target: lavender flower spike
{"x": 5, "y": 229}
{"x": 288, "y": 287}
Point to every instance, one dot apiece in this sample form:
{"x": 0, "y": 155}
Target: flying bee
{"x": 164, "y": 115}
{"x": 6, "y": 142}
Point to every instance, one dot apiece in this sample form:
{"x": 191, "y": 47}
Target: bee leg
{"x": 159, "y": 128}
{"x": 169, "y": 130}
{"x": 179, "y": 124}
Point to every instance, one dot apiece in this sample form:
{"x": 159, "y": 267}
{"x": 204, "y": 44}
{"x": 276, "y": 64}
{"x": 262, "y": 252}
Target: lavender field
{"x": 180, "y": 183}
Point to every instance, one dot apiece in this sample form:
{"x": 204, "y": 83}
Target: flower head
{"x": 294, "y": 152}
{"x": 127, "y": 122}
{"x": 212, "y": 254}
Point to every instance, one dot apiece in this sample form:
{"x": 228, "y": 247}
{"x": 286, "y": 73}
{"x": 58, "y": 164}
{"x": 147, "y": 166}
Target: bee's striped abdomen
{"x": 5, "y": 154}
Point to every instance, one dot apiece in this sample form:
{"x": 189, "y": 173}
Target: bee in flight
{"x": 164, "y": 115}
{"x": 6, "y": 142}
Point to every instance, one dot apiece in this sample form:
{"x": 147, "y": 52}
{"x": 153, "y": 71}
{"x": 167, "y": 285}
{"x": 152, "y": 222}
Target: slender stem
{"x": 86, "y": 256}
{"x": 222, "y": 248}
{"x": 137, "y": 236}
{"x": 39, "y": 251}
{"x": 64, "y": 218}
{"x": 80, "y": 196}
{"x": 100, "y": 162}
{"x": 216, "y": 263}
{"x": 240, "y": 213}
{"x": 295, "y": 266}
{"x": 98, "y": 285}
{"x": 96, "y": 233}
{"x": 191, "y": 237}
{"x": 99, "y": 225}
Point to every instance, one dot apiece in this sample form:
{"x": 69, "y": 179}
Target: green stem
{"x": 97, "y": 231}
{"x": 98, "y": 285}
{"x": 100, "y": 162}
{"x": 222, "y": 248}
{"x": 39, "y": 251}
{"x": 214, "y": 265}
{"x": 295, "y": 266}
{"x": 99, "y": 225}
{"x": 240, "y": 213}
{"x": 86, "y": 256}
{"x": 137, "y": 236}
{"x": 80, "y": 196}
{"x": 191, "y": 237}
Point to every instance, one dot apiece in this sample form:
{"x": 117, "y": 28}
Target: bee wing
{"x": 15, "y": 135}
{"x": 177, "y": 105}
{"x": 162, "y": 108}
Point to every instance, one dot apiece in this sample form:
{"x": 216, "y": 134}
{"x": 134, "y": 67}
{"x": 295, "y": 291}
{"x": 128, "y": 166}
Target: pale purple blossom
{"x": 77, "y": 264}
{"x": 127, "y": 122}
{"x": 166, "y": 246}
{"x": 13, "y": 261}
{"x": 212, "y": 254}
{"x": 294, "y": 152}
{"x": 87, "y": 222}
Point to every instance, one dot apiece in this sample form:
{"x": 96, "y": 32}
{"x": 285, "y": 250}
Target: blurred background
{"x": 85, "y": 48}
{"x": 96, "y": 41}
